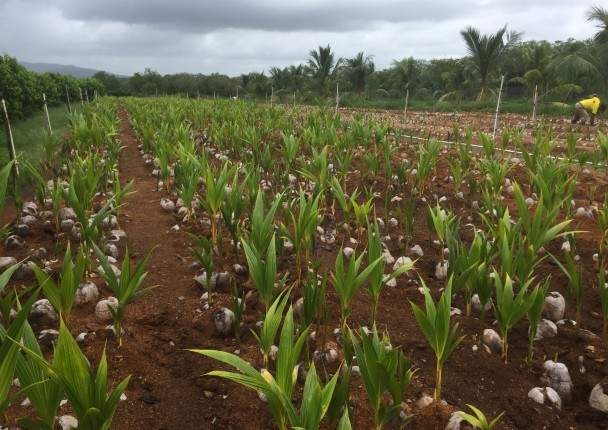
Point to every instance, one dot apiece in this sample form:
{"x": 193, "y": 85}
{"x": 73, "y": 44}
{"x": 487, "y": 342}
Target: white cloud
{"x": 240, "y": 36}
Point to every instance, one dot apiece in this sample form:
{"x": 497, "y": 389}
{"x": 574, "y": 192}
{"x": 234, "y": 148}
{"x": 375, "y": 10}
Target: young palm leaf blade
{"x": 435, "y": 325}
{"x": 86, "y": 392}
{"x": 126, "y": 288}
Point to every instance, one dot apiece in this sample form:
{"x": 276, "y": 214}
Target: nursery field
{"x": 359, "y": 269}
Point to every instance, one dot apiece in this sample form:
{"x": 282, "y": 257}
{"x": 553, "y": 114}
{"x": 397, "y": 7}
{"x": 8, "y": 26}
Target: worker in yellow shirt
{"x": 588, "y": 106}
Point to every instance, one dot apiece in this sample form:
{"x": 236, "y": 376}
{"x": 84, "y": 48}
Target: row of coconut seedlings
{"x": 524, "y": 269}
{"x": 81, "y": 210}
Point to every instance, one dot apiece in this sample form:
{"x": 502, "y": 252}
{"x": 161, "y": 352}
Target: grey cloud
{"x": 205, "y": 16}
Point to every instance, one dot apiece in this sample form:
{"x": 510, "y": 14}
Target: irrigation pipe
{"x": 510, "y": 151}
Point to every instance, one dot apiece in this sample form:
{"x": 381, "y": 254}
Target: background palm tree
{"x": 406, "y": 73}
{"x": 486, "y": 53}
{"x": 357, "y": 71}
{"x": 600, "y": 14}
{"x": 323, "y": 69}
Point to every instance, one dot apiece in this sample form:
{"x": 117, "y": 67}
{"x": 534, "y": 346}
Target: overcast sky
{"x": 242, "y": 36}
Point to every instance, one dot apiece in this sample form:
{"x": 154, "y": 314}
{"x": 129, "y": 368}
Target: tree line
{"x": 559, "y": 71}
{"x": 22, "y": 90}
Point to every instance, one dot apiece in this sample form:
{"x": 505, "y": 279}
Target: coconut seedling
{"x": 347, "y": 282}
{"x": 9, "y": 349}
{"x": 215, "y": 185}
{"x": 91, "y": 228}
{"x": 262, "y": 226}
{"x": 383, "y": 369}
{"x": 186, "y": 181}
{"x": 272, "y": 320}
{"x": 61, "y": 294}
{"x": 232, "y": 209}
{"x": 86, "y": 392}
{"x": 603, "y": 223}
{"x": 434, "y": 322}
{"x": 427, "y": 159}
{"x": 344, "y": 201}
{"x": 479, "y": 420}
{"x": 304, "y": 227}
{"x": 125, "y": 288}
{"x": 377, "y": 278}
{"x": 313, "y": 303}
{"x": 204, "y": 255}
{"x": 602, "y": 140}
{"x": 603, "y": 287}
{"x": 509, "y": 307}
{"x": 263, "y": 271}
{"x": 459, "y": 173}
{"x": 444, "y": 224}
{"x": 534, "y": 314}
{"x": 290, "y": 149}
{"x": 44, "y": 394}
{"x": 278, "y": 389}
{"x": 238, "y": 307}
{"x": 575, "y": 291}
{"x": 362, "y": 213}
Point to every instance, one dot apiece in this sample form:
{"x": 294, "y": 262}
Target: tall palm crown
{"x": 486, "y": 52}
{"x": 322, "y": 68}
{"x": 358, "y": 70}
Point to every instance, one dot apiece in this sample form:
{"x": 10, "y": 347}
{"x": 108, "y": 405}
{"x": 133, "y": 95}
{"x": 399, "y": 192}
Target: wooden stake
{"x": 67, "y": 96}
{"x": 502, "y": 80}
{"x": 534, "y": 103}
{"x": 49, "y": 130}
{"x": 9, "y": 140}
{"x": 407, "y": 96}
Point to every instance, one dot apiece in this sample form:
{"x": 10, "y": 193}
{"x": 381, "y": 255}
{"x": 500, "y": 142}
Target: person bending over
{"x": 588, "y": 108}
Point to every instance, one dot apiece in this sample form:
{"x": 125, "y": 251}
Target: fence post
{"x": 49, "y": 130}
{"x": 67, "y": 96}
{"x": 9, "y": 141}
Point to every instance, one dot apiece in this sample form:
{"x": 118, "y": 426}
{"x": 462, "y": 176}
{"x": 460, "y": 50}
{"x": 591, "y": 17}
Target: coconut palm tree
{"x": 576, "y": 61}
{"x": 486, "y": 53}
{"x": 600, "y": 14}
{"x": 323, "y": 69}
{"x": 358, "y": 69}
{"x": 406, "y": 73}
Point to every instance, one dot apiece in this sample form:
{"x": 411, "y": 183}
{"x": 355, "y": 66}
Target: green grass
{"x": 27, "y": 134}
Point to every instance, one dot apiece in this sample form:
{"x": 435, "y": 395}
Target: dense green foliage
{"x": 22, "y": 90}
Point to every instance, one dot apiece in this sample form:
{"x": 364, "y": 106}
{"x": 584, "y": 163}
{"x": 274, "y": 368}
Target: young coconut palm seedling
{"x": 61, "y": 294}
{"x": 435, "y": 325}
{"x": 304, "y": 227}
{"x": 383, "y": 369}
{"x": 479, "y": 420}
{"x": 278, "y": 389}
{"x": 204, "y": 255}
{"x": 125, "y": 288}
{"x": 510, "y": 307}
{"x": 87, "y": 393}
{"x": 215, "y": 184}
{"x": 347, "y": 283}
{"x": 344, "y": 201}
{"x": 604, "y": 300}
{"x": 9, "y": 350}
{"x": 232, "y": 209}
{"x": 44, "y": 394}
{"x": 263, "y": 272}
{"x": 272, "y": 320}
{"x": 575, "y": 292}
{"x": 534, "y": 314}
{"x": 377, "y": 278}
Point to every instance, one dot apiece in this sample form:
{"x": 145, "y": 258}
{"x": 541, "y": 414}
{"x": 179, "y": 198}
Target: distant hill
{"x": 74, "y": 71}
